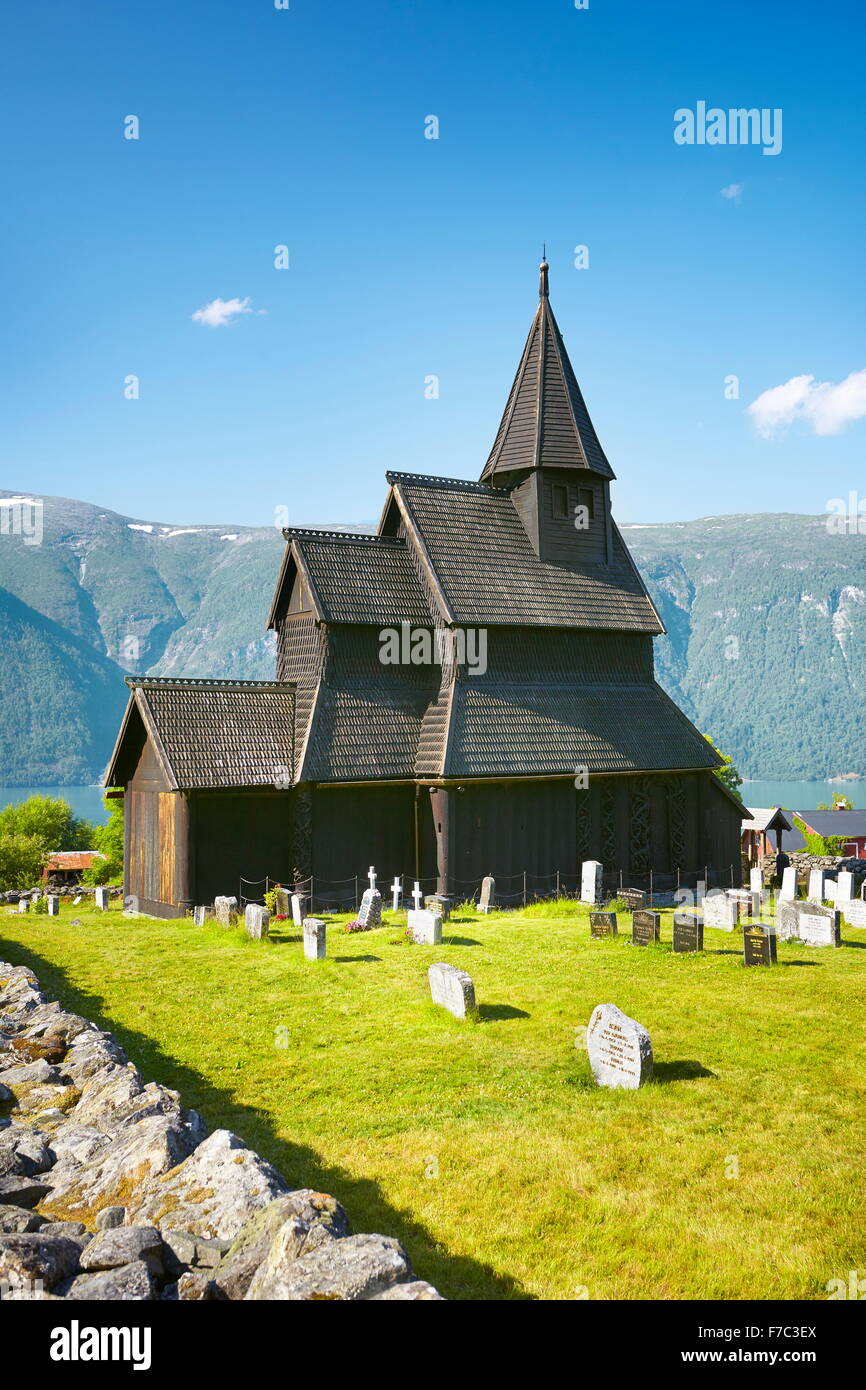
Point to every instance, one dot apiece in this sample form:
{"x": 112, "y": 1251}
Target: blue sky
{"x": 411, "y": 257}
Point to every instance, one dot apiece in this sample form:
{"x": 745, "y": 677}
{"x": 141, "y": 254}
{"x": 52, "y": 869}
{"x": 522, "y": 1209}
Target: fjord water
{"x": 85, "y": 801}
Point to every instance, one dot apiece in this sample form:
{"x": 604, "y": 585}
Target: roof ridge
{"x": 311, "y": 534}
{"x": 204, "y": 683}
{"x": 428, "y": 480}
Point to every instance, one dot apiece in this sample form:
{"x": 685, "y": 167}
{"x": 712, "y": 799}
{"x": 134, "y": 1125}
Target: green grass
{"x": 486, "y": 1147}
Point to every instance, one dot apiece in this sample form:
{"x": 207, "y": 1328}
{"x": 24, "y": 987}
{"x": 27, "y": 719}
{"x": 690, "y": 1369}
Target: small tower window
{"x": 586, "y": 498}
{"x": 560, "y": 502}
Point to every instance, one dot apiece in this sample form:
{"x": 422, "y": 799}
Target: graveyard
{"x": 485, "y": 1144}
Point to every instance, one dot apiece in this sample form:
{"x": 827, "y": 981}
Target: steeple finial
{"x": 543, "y": 287}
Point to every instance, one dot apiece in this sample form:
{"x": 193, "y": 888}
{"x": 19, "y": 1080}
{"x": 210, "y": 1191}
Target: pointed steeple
{"x": 546, "y": 423}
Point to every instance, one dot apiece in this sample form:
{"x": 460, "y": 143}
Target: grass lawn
{"x": 486, "y": 1147}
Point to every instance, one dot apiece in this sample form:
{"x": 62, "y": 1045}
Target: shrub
{"x": 21, "y": 859}
{"x": 108, "y": 840}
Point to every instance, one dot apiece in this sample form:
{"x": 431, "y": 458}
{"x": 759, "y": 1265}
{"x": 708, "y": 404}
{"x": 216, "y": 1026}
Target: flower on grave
{"x": 356, "y": 926}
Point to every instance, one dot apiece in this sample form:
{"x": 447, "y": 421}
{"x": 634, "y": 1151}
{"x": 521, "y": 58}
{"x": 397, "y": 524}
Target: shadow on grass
{"x": 456, "y": 1276}
{"x": 488, "y": 1013}
{"x": 665, "y": 1072}
{"x": 459, "y": 941}
{"x": 350, "y": 960}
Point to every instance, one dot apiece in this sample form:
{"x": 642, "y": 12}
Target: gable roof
{"x": 486, "y": 572}
{"x": 545, "y": 422}
{"x": 208, "y": 733}
{"x": 351, "y": 578}
{"x": 761, "y": 818}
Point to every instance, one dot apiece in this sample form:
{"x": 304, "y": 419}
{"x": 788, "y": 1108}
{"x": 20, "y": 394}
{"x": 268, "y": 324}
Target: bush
{"x": 21, "y": 859}
{"x": 48, "y": 819}
{"x": 108, "y": 840}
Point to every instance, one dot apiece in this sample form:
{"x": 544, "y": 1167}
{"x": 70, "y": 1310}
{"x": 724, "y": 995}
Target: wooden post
{"x": 524, "y": 888}
{"x": 183, "y": 851}
{"x": 441, "y": 799}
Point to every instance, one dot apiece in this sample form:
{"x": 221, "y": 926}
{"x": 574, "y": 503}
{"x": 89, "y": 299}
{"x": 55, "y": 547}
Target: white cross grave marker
{"x": 372, "y": 877}
{"x": 397, "y": 890}
{"x": 417, "y": 895}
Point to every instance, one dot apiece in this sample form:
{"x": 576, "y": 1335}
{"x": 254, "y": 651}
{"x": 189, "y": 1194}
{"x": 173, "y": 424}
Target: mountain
{"x": 765, "y": 617}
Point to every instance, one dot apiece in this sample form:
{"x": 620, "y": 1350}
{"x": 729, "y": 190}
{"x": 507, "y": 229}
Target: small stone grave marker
{"x": 844, "y": 886}
{"x": 788, "y": 891}
{"x": 688, "y": 932}
{"x": 102, "y": 899}
{"x": 620, "y": 1049}
{"x": 590, "y": 881}
{"x": 634, "y": 898}
{"x": 425, "y": 926}
{"x": 257, "y": 920}
{"x": 315, "y": 945}
{"x": 438, "y": 902}
{"x": 23, "y": 904}
{"x": 53, "y": 905}
{"x": 602, "y": 924}
{"x": 855, "y": 912}
{"x": 76, "y": 901}
{"x": 396, "y": 893}
{"x": 488, "y": 894}
{"x": 453, "y": 989}
{"x": 226, "y": 910}
{"x": 720, "y": 911}
{"x": 759, "y": 944}
{"x": 297, "y": 909}
{"x": 816, "y": 885}
{"x": 281, "y": 901}
{"x": 756, "y": 881}
{"x": 820, "y": 928}
{"x": 645, "y": 927}
{"x": 370, "y": 911}
{"x": 198, "y": 916}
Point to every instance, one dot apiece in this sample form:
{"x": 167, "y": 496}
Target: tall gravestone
{"x": 102, "y": 899}
{"x": 281, "y": 901}
{"x": 788, "y": 891}
{"x": 590, "y": 881}
{"x": 198, "y": 916}
{"x": 620, "y": 1049}
{"x": 453, "y": 989}
{"x": 257, "y": 921}
{"x": 396, "y": 893}
{"x": 645, "y": 927}
{"x": 602, "y": 924}
{"x": 759, "y": 944}
{"x": 370, "y": 911}
{"x": 488, "y": 894}
{"x": 844, "y": 886}
{"x": 53, "y": 904}
{"x": 688, "y": 933}
{"x": 226, "y": 911}
{"x": 315, "y": 942}
{"x": 756, "y": 881}
{"x": 816, "y": 885}
{"x": 720, "y": 911}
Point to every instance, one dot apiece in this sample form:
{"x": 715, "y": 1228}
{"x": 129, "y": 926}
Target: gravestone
{"x": 590, "y": 881}
{"x": 23, "y": 904}
{"x": 226, "y": 911}
{"x": 645, "y": 927}
{"x": 743, "y": 899}
{"x": 453, "y": 989}
{"x": 759, "y": 944}
{"x": 844, "y": 886}
{"x": 634, "y": 898}
{"x": 53, "y": 905}
{"x": 820, "y": 927}
{"x": 102, "y": 899}
{"x": 831, "y": 889}
{"x": 488, "y": 894}
{"x": 620, "y": 1050}
{"x": 198, "y": 916}
{"x": 396, "y": 893}
{"x": 700, "y": 892}
{"x": 855, "y": 912}
{"x": 315, "y": 946}
{"x": 281, "y": 901}
{"x": 788, "y": 891}
{"x": 417, "y": 896}
{"x": 438, "y": 901}
{"x": 257, "y": 921}
{"x": 426, "y": 927}
{"x": 788, "y": 921}
{"x": 370, "y": 911}
{"x": 816, "y": 885}
{"x": 720, "y": 911}
{"x": 76, "y": 901}
{"x": 297, "y": 913}
{"x": 688, "y": 932}
{"x": 756, "y": 881}
{"x": 602, "y": 924}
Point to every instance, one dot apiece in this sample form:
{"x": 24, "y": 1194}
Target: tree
{"x": 108, "y": 839}
{"x": 840, "y": 803}
{"x": 727, "y": 774}
{"x": 49, "y": 820}
{"x": 20, "y": 861}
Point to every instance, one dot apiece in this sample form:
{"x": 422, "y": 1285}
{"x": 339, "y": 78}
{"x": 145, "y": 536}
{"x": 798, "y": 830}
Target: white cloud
{"x": 733, "y": 190}
{"x": 826, "y": 406}
{"x": 221, "y": 311}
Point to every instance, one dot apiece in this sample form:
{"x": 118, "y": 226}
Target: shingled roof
{"x": 351, "y": 578}
{"x": 486, "y": 571}
{"x": 208, "y": 733}
{"x": 545, "y": 422}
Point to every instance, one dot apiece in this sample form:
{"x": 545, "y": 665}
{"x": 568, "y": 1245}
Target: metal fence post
{"x": 524, "y": 888}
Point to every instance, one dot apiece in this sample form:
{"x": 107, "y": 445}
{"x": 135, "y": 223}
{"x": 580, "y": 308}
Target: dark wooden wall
{"x": 239, "y": 833}
{"x": 354, "y": 827}
{"x": 151, "y": 815}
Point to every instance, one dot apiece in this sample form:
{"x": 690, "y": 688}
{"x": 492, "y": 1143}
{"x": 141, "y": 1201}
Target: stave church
{"x": 469, "y": 691}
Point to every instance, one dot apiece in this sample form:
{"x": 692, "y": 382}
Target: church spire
{"x": 546, "y": 423}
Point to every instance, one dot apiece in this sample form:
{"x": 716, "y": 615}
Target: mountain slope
{"x": 765, "y": 650}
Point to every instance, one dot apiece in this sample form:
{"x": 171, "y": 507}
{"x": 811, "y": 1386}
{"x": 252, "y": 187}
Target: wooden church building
{"x": 468, "y": 691}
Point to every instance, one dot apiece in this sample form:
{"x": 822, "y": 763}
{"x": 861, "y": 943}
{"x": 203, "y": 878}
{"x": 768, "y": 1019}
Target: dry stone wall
{"x": 111, "y": 1189}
